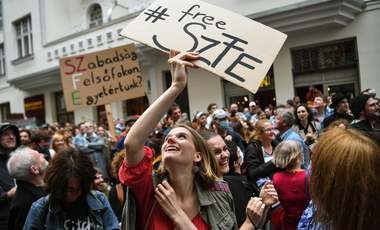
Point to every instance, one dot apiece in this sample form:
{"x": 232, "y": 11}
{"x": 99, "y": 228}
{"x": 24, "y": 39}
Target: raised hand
{"x": 178, "y": 62}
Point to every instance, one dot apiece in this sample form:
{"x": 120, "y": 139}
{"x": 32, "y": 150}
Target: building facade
{"x": 332, "y": 44}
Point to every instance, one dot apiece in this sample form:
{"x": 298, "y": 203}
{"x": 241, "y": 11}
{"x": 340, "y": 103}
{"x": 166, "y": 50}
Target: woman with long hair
{"x": 291, "y": 184}
{"x": 259, "y": 152}
{"x": 241, "y": 127}
{"x": 186, "y": 191}
{"x": 309, "y": 130}
{"x": 57, "y": 143}
{"x": 345, "y": 183}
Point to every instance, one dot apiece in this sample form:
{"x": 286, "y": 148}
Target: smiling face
{"x": 8, "y": 139}
{"x": 99, "y": 181}
{"x": 24, "y": 136}
{"x": 371, "y": 109}
{"x": 221, "y": 152}
{"x": 179, "y": 148}
{"x": 302, "y": 113}
{"x": 268, "y": 134}
{"x": 59, "y": 143}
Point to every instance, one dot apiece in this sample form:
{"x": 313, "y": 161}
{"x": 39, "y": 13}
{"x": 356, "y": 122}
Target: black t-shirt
{"x": 77, "y": 216}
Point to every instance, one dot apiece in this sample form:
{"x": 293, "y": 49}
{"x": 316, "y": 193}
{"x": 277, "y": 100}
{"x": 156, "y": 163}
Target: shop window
{"x": 324, "y": 57}
{"x": 62, "y": 115}
{"x": 24, "y": 39}
{"x": 96, "y": 16}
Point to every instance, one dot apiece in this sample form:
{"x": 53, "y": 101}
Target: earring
{"x": 196, "y": 169}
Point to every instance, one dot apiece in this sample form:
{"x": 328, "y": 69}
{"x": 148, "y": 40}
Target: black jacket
{"x": 362, "y": 126}
{"x": 256, "y": 167}
{"x": 328, "y": 120}
{"x": 26, "y": 194}
{"x": 6, "y": 181}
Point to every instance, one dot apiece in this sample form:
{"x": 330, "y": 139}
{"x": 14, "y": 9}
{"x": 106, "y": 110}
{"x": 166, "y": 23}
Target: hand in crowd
{"x": 113, "y": 142}
{"x": 167, "y": 199}
{"x": 228, "y": 138}
{"x": 254, "y": 210}
{"x": 309, "y": 137}
{"x": 178, "y": 62}
{"x": 269, "y": 194}
{"x": 11, "y": 193}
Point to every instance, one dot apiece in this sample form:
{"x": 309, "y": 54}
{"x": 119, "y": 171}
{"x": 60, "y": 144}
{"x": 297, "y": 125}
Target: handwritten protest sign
{"x": 101, "y": 77}
{"x": 231, "y": 46}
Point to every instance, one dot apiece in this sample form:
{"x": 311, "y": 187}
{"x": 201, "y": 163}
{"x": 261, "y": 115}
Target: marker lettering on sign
{"x": 75, "y": 98}
{"x": 214, "y": 43}
{"x": 67, "y": 62}
{"x": 206, "y": 19}
{"x": 76, "y": 80}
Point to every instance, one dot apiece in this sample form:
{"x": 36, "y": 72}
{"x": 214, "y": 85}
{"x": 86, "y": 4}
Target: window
{"x": 96, "y": 16}
{"x": 62, "y": 115}
{"x": 2, "y": 60}
{"x": 5, "y": 111}
{"x": 331, "y": 56}
{"x": 24, "y": 37}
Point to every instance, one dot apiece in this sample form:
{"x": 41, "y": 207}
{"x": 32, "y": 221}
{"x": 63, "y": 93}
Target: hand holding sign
{"x": 231, "y": 46}
{"x": 177, "y": 64}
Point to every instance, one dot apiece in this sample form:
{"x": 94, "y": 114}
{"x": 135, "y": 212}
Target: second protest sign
{"x": 101, "y": 77}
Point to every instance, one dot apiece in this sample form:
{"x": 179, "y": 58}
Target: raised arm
{"x": 136, "y": 137}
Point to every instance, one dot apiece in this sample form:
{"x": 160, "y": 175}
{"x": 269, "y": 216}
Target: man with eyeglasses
{"x": 283, "y": 123}
{"x": 92, "y": 145}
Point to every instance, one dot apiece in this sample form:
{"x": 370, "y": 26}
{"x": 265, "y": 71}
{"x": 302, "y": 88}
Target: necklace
{"x": 270, "y": 152}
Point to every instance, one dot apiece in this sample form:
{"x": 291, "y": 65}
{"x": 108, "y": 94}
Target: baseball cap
{"x": 219, "y": 114}
{"x": 252, "y": 103}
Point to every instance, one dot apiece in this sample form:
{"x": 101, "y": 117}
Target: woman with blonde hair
{"x": 57, "y": 143}
{"x": 292, "y": 184}
{"x": 67, "y": 136}
{"x": 259, "y": 152}
{"x": 345, "y": 183}
{"x": 186, "y": 191}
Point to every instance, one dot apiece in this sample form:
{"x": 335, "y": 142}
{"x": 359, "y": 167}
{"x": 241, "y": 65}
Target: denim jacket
{"x": 100, "y": 210}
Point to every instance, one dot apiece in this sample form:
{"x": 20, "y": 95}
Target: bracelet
{"x": 251, "y": 220}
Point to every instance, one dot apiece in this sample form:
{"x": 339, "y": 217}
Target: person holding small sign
{"x": 186, "y": 191}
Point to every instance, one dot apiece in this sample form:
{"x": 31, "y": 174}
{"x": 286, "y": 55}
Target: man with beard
{"x": 366, "y": 111}
{"x": 71, "y": 204}
{"x": 341, "y": 110}
{"x": 92, "y": 145}
{"x": 40, "y": 142}
{"x": 202, "y": 122}
{"x": 9, "y": 141}
{"x": 28, "y": 167}
{"x": 25, "y": 137}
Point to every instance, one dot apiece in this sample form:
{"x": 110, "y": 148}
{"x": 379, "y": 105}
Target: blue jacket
{"x": 291, "y": 135}
{"x": 100, "y": 209}
{"x": 327, "y": 114}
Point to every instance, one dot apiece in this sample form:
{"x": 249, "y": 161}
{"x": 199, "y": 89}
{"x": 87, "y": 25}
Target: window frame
{"x": 28, "y": 34}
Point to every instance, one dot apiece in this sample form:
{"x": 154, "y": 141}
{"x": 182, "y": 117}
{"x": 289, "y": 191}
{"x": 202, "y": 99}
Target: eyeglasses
{"x": 269, "y": 130}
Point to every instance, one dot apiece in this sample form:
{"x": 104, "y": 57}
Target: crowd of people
{"x": 300, "y": 165}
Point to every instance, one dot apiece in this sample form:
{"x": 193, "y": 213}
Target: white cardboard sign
{"x": 231, "y": 46}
